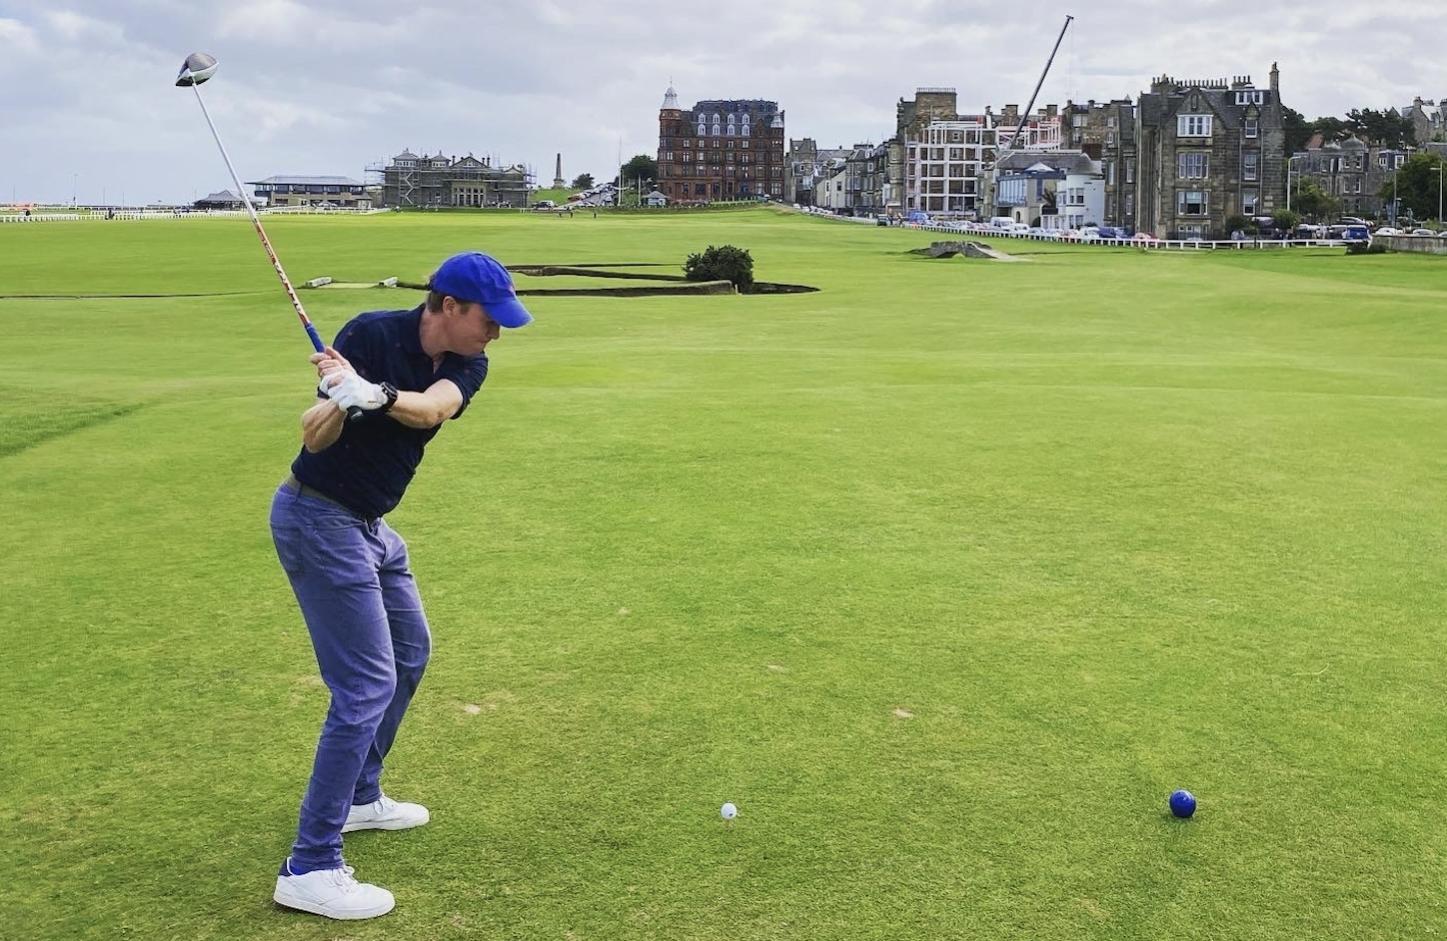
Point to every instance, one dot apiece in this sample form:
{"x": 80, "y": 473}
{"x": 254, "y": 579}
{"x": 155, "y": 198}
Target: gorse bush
{"x": 721, "y": 263}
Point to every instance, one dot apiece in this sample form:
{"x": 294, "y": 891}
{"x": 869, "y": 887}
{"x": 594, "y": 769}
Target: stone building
{"x": 1208, "y": 150}
{"x": 410, "y": 181}
{"x": 1425, "y": 118}
{"x": 804, "y": 165}
{"x": 1351, "y": 172}
{"x": 720, "y": 149}
{"x": 1106, "y": 131}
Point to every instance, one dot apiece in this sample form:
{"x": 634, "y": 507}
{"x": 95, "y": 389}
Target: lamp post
{"x": 1289, "y": 161}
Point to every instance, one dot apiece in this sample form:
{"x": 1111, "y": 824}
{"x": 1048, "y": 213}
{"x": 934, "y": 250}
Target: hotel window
{"x": 1248, "y": 165}
{"x": 1130, "y": 170}
{"x": 1249, "y": 127}
{"x": 1193, "y": 165}
{"x": 1193, "y": 125}
{"x": 1248, "y": 202}
{"x": 1190, "y": 203}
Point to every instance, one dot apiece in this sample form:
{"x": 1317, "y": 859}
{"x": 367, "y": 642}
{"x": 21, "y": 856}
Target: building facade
{"x": 410, "y": 181}
{"x": 1106, "y": 131}
{"x": 1208, "y": 150}
{"x": 1352, "y": 172}
{"x": 341, "y": 192}
{"x": 720, "y": 150}
{"x": 1059, "y": 189}
{"x": 804, "y": 165}
{"x": 947, "y": 165}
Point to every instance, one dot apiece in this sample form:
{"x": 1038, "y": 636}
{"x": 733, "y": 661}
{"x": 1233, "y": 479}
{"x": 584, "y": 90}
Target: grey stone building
{"x": 1208, "y": 150}
{"x": 410, "y": 181}
{"x": 1106, "y": 131}
{"x": 1351, "y": 172}
{"x": 804, "y": 165}
{"x": 1425, "y": 117}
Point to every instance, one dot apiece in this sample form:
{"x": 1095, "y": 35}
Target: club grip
{"x": 354, "y": 413}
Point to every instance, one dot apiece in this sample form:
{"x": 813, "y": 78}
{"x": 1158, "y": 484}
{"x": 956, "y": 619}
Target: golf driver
{"x": 197, "y": 68}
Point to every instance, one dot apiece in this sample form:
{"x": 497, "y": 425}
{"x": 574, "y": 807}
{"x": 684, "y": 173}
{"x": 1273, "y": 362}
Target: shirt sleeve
{"x": 467, "y": 373}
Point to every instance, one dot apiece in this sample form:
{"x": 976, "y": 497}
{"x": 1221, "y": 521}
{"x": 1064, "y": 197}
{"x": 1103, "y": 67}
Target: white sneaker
{"x": 385, "y": 814}
{"x": 332, "y": 893}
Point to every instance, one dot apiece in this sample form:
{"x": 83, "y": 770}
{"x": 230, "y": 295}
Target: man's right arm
{"x": 321, "y": 425}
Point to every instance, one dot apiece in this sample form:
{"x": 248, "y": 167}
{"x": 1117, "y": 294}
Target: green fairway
{"x": 946, "y": 574}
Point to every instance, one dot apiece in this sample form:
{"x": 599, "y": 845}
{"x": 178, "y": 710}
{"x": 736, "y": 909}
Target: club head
{"x": 197, "y": 68}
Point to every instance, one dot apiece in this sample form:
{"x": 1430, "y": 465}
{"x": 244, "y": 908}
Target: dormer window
{"x": 1193, "y": 125}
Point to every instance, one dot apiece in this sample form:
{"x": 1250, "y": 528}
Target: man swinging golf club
{"x": 401, "y": 374}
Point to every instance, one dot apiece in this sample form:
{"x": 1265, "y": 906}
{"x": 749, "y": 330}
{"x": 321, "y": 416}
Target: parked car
{"x": 1357, "y": 233}
{"x": 1388, "y": 230}
{"x": 1090, "y": 233}
{"x": 1109, "y": 232}
{"x": 1353, "y": 220}
{"x": 1018, "y": 228}
{"x": 1144, "y": 237}
{"x": 1423, "y": 232}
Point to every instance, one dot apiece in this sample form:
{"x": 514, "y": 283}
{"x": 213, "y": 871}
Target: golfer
{"x": 408, "y": 371}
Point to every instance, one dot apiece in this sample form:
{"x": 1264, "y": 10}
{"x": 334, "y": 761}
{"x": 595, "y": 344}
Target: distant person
{"x": 408, "y": 371}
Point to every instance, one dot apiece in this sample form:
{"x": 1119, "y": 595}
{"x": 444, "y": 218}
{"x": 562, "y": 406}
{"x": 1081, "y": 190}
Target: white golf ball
{"x": 728, "y": 811}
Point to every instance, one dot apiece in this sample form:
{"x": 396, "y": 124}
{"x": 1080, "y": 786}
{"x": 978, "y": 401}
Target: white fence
{"x": 1138, "y": 241}
{"x": 139, "y": 215}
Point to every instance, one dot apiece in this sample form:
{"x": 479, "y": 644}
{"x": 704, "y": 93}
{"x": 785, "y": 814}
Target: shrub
{"x": 721, "y": 263}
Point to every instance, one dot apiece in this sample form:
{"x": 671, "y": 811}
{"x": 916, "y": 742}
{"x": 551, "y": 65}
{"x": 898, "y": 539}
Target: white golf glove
{"x": 352, "y": 391}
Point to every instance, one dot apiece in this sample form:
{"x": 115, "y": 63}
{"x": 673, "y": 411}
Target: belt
{"x": 296, "y": 486}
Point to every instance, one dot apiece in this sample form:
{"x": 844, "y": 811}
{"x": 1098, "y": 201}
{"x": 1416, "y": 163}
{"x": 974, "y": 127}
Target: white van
{"x": 1002, "y": 222}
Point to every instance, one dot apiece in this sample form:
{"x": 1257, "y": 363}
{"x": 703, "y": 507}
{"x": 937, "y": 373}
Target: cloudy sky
{"x": 327, "y": 86}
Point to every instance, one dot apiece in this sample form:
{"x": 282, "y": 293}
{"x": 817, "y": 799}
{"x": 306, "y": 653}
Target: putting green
{"x": 947, "y": 575}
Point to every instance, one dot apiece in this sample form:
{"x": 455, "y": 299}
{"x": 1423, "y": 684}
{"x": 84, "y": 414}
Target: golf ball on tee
{"x": 728, "y": 811}
{"x": 1183, "y": 803}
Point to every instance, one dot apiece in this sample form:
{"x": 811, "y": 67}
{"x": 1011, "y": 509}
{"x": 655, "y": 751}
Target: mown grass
{"x": 946, "y": 575}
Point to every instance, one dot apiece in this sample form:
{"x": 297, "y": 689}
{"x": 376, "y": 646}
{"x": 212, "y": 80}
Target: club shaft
{"x": 311, "y": 331}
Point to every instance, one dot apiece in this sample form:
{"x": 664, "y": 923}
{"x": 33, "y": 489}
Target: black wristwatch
{"x": 390, "y": 391}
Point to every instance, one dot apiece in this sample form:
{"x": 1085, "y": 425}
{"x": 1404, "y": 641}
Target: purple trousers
{"x": 371, "y": 640}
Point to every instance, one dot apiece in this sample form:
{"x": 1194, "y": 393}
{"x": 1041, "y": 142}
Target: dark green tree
{"x": 1385, "y": 127}
{"x": 583, "y": 181}
{"x": 1298, "y": 131}
{"x": 721, "y": 263}
{"x": 1330, "y": 129}
{"x": 641, "y": 167}
{"x": 1419, "y": 183}
{"x": 1313, "y": 202}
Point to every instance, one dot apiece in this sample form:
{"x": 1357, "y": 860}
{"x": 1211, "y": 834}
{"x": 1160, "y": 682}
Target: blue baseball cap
{"x": 481, "y": 279}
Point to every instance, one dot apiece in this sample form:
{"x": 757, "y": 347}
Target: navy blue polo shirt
{"x": 368, "y": 468}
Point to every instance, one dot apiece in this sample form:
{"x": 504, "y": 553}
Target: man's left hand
{"x": 355, "y": 392}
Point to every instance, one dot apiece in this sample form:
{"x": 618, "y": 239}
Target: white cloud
{"x": 17, "y": 38}
{"x": 331, "y": 85}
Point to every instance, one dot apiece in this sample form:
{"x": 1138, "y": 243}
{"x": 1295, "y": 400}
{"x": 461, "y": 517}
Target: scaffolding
{"x": 413, "y": 182}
